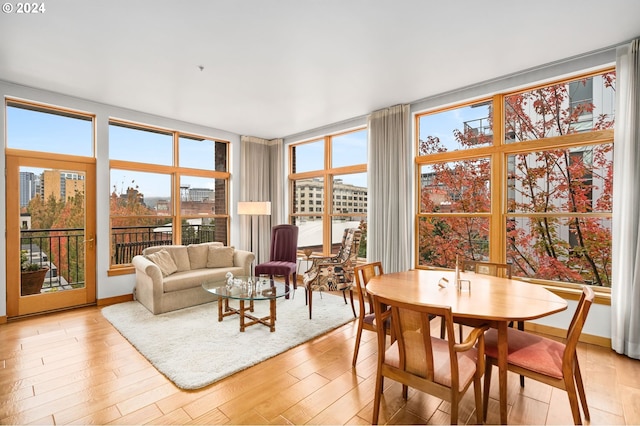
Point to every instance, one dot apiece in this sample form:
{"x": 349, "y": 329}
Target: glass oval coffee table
{"x": 241, "y": 291}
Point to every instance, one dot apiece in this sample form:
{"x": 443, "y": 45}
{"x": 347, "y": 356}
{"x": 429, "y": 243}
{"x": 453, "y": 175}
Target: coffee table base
{"x": 225, "y": 310}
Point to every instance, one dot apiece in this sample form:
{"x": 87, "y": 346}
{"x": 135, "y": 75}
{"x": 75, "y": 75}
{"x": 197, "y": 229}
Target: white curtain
{"x": 261, "y": 177}
{"x": 625, "y": 287}
{"x": 389, "y": 228}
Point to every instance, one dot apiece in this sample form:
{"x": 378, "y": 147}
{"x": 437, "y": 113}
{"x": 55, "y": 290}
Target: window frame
{"x": 499, "y": 153}
{"x": 327, "y": 174}
{"x": 52, "y": 110}
{"x": 175, "y": 172}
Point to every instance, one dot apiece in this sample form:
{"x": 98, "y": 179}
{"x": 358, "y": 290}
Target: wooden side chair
{"x": 545, "y": 360}
{"x": 502, "y": 270}
{"x": 366, "y": 318}
{"x": 439, "y": 367}
{"x": 497, "y": 270}
{"x": 486, "y": 268}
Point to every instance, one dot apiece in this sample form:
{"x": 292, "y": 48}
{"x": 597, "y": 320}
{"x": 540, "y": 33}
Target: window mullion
{"x": 327, "y": 196}
{"x": 497, "y": 237}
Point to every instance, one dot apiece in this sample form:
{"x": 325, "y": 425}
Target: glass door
{"x": 50, "y": 234}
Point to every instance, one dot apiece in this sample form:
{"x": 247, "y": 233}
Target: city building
{"x": 346, "y": 198}
{"x": 60, "y": 185}
{"x": 29, "y": 184}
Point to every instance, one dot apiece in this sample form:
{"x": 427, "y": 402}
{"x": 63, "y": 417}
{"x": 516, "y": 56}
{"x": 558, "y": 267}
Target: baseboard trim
{"x": 116, "y": 299}
{"x": 559, "y": 332}
{"x": 100, "y": 302}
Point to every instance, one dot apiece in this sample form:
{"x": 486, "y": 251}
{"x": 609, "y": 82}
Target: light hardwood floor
{"x": 74, "y": 367}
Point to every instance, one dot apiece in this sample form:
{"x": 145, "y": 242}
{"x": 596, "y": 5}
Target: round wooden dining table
{"x": 491, "y": 300}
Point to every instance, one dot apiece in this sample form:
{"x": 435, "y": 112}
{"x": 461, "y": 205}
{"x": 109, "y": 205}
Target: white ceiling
{"x": 273, "y": 68}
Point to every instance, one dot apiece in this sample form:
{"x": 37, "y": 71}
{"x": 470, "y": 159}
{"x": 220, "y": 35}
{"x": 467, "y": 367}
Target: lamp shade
{"x": 254, "y": 208}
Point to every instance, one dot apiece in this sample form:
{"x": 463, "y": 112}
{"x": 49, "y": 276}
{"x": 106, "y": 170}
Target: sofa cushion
{"x": 220, "y": 257}
{"x": 177, "y": 252}
{"x": 198, "y": 254}
{"x": 180, "y": 256}
{"x": 165, "y": 262}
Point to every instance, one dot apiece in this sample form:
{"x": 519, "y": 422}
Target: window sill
{"x": 120, "y": 270}
{"x": 572, "y": 291}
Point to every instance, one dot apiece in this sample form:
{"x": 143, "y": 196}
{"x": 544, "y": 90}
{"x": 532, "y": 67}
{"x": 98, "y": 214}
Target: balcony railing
{"x": 479, "y": 131}
{"x": 59, "y": 251}
{"x": 62, "y": 250}
{"x": 129, "y": 241}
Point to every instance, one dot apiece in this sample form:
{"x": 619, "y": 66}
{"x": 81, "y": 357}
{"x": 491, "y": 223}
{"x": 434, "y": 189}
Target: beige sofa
{"x": 166, "y": 282}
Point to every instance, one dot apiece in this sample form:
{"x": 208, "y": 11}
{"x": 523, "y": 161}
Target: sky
{"x": 443, "y": 124}
{"x": 27, "y": 129}
{"x": 32, "y": 130}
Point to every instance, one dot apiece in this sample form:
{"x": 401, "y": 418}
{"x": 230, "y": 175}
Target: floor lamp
{"x": 254, "y": 208}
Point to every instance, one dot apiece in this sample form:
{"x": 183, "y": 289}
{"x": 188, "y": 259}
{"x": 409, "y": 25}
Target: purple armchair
{"x": 283, "y": 255}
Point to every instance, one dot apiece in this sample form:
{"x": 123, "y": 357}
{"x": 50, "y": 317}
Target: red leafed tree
{"x": 68, "y": 252}
{"x": 62, "y": 235}
{"x": 552, "y": 193}
{"x": 558, "y": 187}
{"x": 128, "y": 204}
{"x": 129, "y": 210}
{"x": 458, "y": 187}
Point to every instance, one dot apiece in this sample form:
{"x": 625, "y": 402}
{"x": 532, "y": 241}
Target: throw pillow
{"x": 220, "y": 257}
{"x": 164, "y": 261}
{"x": 180, "y": 256}
{"x": 198, "y": 254}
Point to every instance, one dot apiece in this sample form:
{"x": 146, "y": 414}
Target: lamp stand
{"x": 255, "y": 261}
{"x": 257, "y": 248}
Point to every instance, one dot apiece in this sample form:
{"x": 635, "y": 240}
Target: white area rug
{"x": 193, "y": 349}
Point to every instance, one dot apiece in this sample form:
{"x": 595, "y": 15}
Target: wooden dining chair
{"x": 543, "y": 359}
{"x": 502, "y": 270}
{"x": 486, "y": 268}
{"x": 366, "y": 317}
{"x": 429, "y": 364}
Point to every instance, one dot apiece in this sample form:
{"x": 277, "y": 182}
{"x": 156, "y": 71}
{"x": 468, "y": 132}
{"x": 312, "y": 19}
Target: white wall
{"x": 598, "y": 322}
{"x": 118, "y": 285}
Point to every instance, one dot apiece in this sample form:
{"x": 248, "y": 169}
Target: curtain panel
{"x": 389, "y": 204}
{"x": 625, "y": 288}
{"x": 261, "y": 177}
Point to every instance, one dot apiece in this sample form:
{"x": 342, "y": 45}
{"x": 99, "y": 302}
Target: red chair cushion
{"x": 526, "y": 350}
{"x": 441, "y": 362}
{"x": 275, "y": 268}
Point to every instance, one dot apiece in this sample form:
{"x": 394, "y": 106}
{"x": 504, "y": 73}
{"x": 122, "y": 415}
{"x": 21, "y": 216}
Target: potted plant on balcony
{"x": 32, "y": 275}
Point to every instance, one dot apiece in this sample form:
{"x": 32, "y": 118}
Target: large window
{"x": 524, "y": 178}
{"x": 36, "y": 128}
{"x": 158, "y": 197}
{"x": 328, "y": 179}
